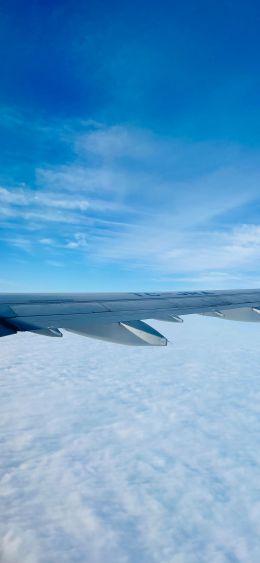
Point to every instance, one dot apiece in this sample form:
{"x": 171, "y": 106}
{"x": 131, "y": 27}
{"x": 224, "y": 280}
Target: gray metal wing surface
{"x": 119, "y": 317}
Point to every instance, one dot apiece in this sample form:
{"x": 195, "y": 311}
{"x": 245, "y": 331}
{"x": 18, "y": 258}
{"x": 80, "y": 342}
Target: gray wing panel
{"x": 80, "y": 312}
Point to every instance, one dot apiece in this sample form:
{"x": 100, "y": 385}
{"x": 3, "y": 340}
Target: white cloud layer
{"x": 113, "y": 454}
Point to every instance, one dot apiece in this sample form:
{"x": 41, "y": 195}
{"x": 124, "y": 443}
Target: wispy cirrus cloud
{"x": 227, "y": 251}
{"x": 24, "y": 197}
{"x": 149, "y": 203}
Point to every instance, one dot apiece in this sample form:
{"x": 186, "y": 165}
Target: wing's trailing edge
{"x": 118, "y": 317}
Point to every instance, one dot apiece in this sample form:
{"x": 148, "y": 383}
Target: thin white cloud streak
{"x": 26, "y": 198}
{"x": 151, "y": 458}
{"x": 23, "y": 243}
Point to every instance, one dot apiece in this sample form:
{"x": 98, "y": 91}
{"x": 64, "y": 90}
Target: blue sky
{"x": 130, "y": 160}
{"x": 129, "y": 145}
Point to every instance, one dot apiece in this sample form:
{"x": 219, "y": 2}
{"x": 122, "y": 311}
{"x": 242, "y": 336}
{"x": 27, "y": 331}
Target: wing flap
{"x": 135, "y": 333}
{"x": 242, "y": 314}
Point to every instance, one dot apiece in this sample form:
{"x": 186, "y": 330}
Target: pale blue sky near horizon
{"x": 129, "y": 145}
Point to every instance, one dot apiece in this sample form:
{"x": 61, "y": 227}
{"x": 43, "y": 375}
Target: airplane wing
{"x": 119, "y": 317}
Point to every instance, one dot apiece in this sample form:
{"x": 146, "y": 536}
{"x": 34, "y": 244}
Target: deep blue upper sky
{"x": 190, "y": 68}
{"x": 162, "y": 99}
